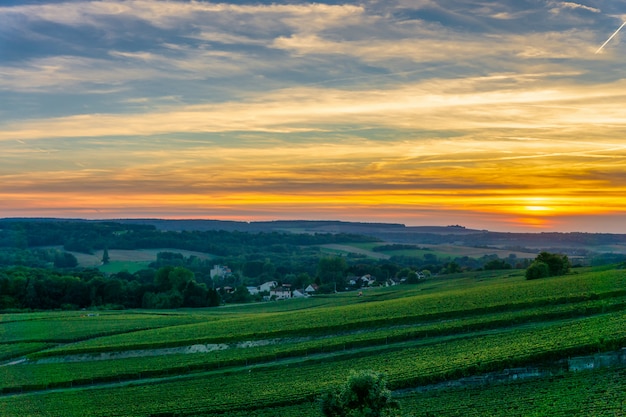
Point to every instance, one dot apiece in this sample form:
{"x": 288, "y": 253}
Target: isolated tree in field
{"x": 548, "y": 265}
{"x": 364, "y": 394}
{"x": 557, "y": 264}
{"x": 105, "y": 256}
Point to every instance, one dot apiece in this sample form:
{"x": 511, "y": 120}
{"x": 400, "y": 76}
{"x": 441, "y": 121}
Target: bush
{"x": 364, "y": 394}
{"x": 548, "y": 265}
{"x": 557, "y": 264}
{"x": 537, "y": 270}
{"x": 65, "y": 260}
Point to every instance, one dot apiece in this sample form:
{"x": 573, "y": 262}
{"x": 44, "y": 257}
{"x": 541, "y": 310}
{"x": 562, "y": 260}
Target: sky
{"x": 501, "y": 115}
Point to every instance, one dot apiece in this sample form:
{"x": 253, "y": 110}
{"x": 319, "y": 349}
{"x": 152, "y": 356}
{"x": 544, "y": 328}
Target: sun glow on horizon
{"x": 539, "y": 206}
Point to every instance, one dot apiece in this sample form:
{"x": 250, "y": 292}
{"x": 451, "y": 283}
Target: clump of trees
{"x": 24, "y": 288}
{"x": 364, "y": 394}
{"x": 548, "y": 264}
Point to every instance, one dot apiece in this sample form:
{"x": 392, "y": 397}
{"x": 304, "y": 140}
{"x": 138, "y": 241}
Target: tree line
{"x": 26, "y": 288}
{"x": 89, "y": 236}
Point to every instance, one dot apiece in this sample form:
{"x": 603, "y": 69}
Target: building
{"x": 280, "y": 293}
{"x": 267, "y": 286}
{"x": 220, "y": 271}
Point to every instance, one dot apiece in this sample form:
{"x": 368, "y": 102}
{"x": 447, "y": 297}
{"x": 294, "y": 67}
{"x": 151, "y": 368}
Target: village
{"x": 275, "y": 291}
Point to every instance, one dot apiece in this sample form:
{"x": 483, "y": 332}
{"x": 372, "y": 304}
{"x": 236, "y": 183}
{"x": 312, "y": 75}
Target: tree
{"x": 364, "y": 394}
{"x": 496, "y": 264}
{"x": 412, "y": 278}
{"x": 537, "y": 270}
{"x": 179, "y": 277}
{"x": 105, "y": 256}
{"x": 65, "y": 260}
{"x": 557, "y": 264}
{"x": 213, "y": 298}
{"x": 452, "y": 268}
{"x": 332, "y": 270}
{"x": 195, "y": 295}
{"x": 548, "y": 265}
{"x": 240, "y": 295}
{"x": 162, "y": 278}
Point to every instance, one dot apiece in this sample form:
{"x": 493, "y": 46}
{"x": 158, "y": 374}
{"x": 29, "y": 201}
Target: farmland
{"x": 129, "y": 260}
{"x": 276, "y": 358}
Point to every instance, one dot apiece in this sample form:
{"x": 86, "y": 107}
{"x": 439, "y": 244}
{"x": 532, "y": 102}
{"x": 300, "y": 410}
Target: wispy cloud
{"x": 560, "y": 5}
{"x": 166, "y": 14}
{"x": 499, "y": 101}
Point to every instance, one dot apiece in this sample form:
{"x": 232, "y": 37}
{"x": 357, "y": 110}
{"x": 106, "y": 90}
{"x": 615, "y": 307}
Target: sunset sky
{"x": 502, "y": 115}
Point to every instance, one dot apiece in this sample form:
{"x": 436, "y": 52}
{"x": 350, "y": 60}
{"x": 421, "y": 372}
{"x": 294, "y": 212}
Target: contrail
{"x": 611, "y": 37}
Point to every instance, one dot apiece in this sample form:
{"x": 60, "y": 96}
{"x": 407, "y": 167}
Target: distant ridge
{"x": 573, "y": 243}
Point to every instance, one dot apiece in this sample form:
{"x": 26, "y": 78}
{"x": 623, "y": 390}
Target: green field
{"x": 440, "y": 251}
{"x": 275, "y": 359}
{"x": 128, "y": 260}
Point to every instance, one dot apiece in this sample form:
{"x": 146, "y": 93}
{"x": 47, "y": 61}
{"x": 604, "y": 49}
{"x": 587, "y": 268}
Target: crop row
{"x": 245, "y": 390}
{"x": 597, "y": 393}
{"x": 498, "y": 297}
{"x": 14, "y": 350}
{"x": 292, "y": 383}
{"x": 48, "y": 375}
{"x": 84, "y": 325}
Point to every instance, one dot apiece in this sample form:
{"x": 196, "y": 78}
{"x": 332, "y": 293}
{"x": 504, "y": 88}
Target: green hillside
{"x": 275, "y": 359}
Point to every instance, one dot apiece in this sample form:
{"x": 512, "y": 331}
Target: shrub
{"x": 548, "y": 265}
{"x": 537, "y": 270}
{"x": 364, "y": 394}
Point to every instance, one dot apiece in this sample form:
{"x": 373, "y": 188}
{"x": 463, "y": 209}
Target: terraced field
{"x": 277, "y": 358}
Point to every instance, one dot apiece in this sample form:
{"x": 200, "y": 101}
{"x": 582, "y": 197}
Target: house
{"x": 267, "y": 286}
{"x": 253, "y": 290}
{"x": 312, "y": 288}
{"x": 299, "y": 293}
{"x": 367, "y": 280}
{"x": 364, "y": 281}
{"x": 280, "y": 293}
{"x": 392, "y": 281}
{"x": 220, "y": 271}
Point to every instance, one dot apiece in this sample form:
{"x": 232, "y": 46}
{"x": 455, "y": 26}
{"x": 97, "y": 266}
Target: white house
{"x": 280, "y": 293}
{"x": 311, "y": 289}
{"x": 364, "y": 281}
{"x": 267, "y": 286}
{"x": 299, "y": 294}
{"x": 368, "y": 280}
{"x": 253, "y": 290}
{"x": 392, "y": 281}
